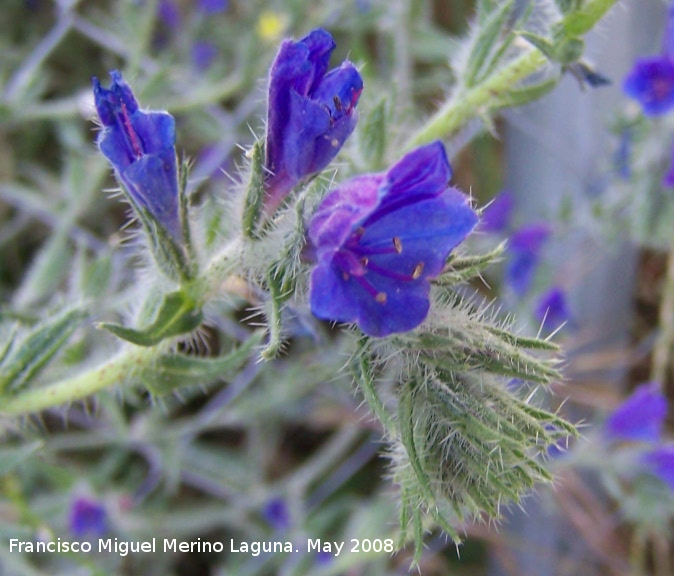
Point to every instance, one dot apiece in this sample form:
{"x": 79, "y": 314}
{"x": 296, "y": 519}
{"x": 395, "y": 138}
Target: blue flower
{"x": 276, "y": 513}
{"x": 552, "y": 308}
{"x": 525, "y": 253}
{"x": 169, "y": 14}
{"x": 141, "y": 148}
{"x": 311, "y": 112}
{"x": 640, "y": 417}
{"x": 87, "y": 518}
{"x": 203, "y": 55}
{"x": 660, "y": 463}
{"x": 496, "y": 216}
{"x": 380, "y": 238}
{"x": 651, "y": 83}
{"x": 210, "y": 7}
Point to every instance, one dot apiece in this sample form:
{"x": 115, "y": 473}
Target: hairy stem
{"x": 131, "y": 359}
{"x": 115, "y": 371}
{"x": 467, "y": 103}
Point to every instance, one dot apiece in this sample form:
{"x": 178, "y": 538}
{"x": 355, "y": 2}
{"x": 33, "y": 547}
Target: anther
{"x": 364, "y": 261}
{"x": 345, "y": 275}
{"x": 418, "y": 269}
{"x": 338, "y": 103}
{"x": 397, "y": 244}
{"x": 381, "y": 297}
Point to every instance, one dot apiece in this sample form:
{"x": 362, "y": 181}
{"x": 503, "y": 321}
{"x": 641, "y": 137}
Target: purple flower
{"x": 169, "y": 14}
{"x": 552, "y": 308}
{"x": 87, "y": 518}
{"x": 651, "y": 83}
{"x": 203, "y": 54}
{"x": 210, "y": 7}
{"x": 311, "y": 112}
{"x": 496, "y": 216}
{"x": 640, "y": 417}
{"x": 525, "y": 248}
{"x": 660, "y": 463}
{"x": 380, "y": 238}
{"x": 276, "y": 513}
{"x": 141, "y": 148}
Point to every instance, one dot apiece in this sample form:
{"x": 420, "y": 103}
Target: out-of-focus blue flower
{"x": 651, "y": 83}
{"x": 210, "y": 7}
{"x": 640, "y": 417}
{"x": 141, "y": 148}
{"x": 525, "y": 252}
{"x": 324, "y": 558}
{"x": 495, "y": 217}
{"x": 87, "y": 518}
{"x": 203, "y": 54}
{"x": 276, "y": 514}
{"x": 169, "y": 14}
{"x": 651, "y": 80}
{"x": 311, "y": 112}
{"x": 660, "y": 463}
{"x": 552, "y": 308}
{"x": 380, "y": 238}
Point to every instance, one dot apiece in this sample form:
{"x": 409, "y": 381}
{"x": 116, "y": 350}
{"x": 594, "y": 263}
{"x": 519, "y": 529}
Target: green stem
{"x": 114, "y": 371}
{"x": 468, "y": 103}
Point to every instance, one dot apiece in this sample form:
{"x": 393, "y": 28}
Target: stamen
{"x": 419, "y": 268}
{"x": 345, "y": 275}
{"x": 364, "y": 261}
{"x": 338, "y": 103}
{"x": 395, "y": 275}
{"x": 130, "y": 132}
{"x": 397, "y": 244}
{"x": 381, "y": 297}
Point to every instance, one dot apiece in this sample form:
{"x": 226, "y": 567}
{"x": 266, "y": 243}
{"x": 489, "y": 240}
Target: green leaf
{"x": 487, "y": 37}
{"x": 521, "y": 96}
{"x": 583, "y": 20}
{"x": 10, "y": 458}
{"x": 177, "y": 314}
{"x": 463, "y": 268}
{"x": 255, "y": 193}
{"x": 365, "y": 379}
{"x": 47, "y": 271}
{"x": 275, "y": 306}
{"x": 174, "y": 371}
{"x": 26, "y": 358}
{"x": 169, "y": 256}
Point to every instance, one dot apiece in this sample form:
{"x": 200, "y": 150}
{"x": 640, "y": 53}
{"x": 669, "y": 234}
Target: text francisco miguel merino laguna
{"x": 122, "y": 547}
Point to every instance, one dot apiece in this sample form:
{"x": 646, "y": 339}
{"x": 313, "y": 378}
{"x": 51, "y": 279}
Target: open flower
{"x": 380, "y": 238}
{"x": 552, "y": 308}
{"x": 651, "y": 83}
{"x": 640, "y": 417}
{"x": 88, "y": 518}
{"x": 651, "y": 80}
{"x": 141, "y": 148}
{"x": 525, "y": 253}
{"x": 311, "y": 112}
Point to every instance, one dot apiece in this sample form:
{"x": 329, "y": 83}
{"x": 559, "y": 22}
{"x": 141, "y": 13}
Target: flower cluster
{"x": 380, "y": 238}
